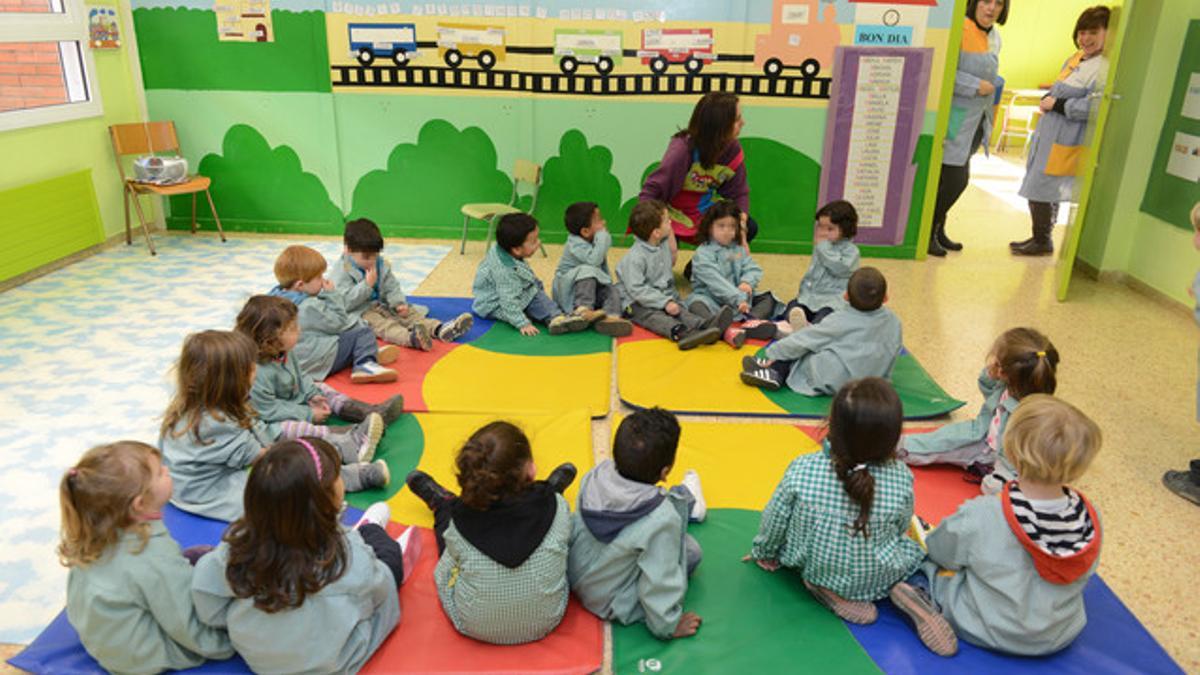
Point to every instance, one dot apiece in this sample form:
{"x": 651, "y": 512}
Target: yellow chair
{"x": 1021, "y": 116}
{"x": 150, "y": 138}
{"x": 524, "y": 171}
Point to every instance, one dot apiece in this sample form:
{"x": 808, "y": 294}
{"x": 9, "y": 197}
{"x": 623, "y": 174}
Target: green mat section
{"x": 504, "y": 339}
{"x": 401, "y": 447}
{"x": 754, "y": 621}
{"x": 920, "y": 395}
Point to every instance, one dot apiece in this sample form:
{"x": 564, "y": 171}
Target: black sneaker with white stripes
{"x": 750, "y": 363}
{"x": 762, "y": 377}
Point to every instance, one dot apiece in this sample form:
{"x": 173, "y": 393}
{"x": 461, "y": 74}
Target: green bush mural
{"x": 426, "y": 183}
{"x": 179, "y": 49}
{"x": 251, "y": 181}
{"x": 577, "y": 173}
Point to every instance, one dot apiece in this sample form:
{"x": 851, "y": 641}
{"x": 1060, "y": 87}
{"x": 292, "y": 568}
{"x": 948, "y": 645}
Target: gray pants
{"x": 691, "y": 547}
{"x": 657, "y": 321}
{"x": 591, "y": 294}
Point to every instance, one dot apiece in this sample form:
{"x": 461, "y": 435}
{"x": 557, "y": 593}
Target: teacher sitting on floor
{"x": 1058, "y": 141}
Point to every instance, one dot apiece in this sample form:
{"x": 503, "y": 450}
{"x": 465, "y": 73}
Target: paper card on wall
{"x": 1191, "y": 100}
{"x": 512, "y": 11}
{"x": 489, "y": 10}
{"x": 370, "y": 11}
{"x": 639, "y": 15}
{"x": 1184, "y": 160}
{"x": 103, "y": 32}
{"x": 576, "y": 14}
{"x": 542, "y": 13}
{"x": 336, "y": 7}
{"x": 359, "y": 11}
{"x": 587, "y": 15}
{"x": 564, "y": 14}
{"x": 381, "y": 8}
{"x": 395, "y": 7}
{"x": 621, "y": 15}
{"x": 524, "y": 11}
{"x": 477, "y": 9}
{"x": 661, "y": 17}
{"x": 601, "y": 14}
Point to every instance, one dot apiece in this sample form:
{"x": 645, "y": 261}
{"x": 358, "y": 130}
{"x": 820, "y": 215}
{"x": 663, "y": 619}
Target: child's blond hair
{"x": 96, "y": 497}
{"x": 1196, "y": 217}
{"x": 1049, "y": 440}
{"x": 298, "y": 263}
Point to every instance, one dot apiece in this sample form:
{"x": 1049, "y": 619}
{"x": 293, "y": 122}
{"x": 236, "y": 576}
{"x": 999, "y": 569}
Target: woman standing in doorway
{"x": 971, "y": 110}
{"x": 1057, "y": 144}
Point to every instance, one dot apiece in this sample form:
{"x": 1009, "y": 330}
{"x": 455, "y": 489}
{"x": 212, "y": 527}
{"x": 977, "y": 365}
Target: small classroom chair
{"x": 524, "y": 171}
{"x": 1020, "y": 118}
{"x": 148, "y": 138}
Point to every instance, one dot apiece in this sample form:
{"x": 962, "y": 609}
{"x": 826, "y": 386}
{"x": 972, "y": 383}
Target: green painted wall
{"x": 1037, "y": 39}
{"x": 40, "y": 153}
{"x": 1118, "y": 236}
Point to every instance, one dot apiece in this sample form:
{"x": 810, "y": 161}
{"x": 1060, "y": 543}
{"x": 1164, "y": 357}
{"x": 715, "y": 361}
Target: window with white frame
{"x": 46, "y": 69}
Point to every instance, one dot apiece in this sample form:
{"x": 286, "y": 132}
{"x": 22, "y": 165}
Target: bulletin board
{"x": 1174, "y": 184}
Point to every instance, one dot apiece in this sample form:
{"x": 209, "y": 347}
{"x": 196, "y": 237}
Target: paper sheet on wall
{"x": 876, "y": 107}
{"x": 1184, "y": 160}
{"x": 1191, "y": 99}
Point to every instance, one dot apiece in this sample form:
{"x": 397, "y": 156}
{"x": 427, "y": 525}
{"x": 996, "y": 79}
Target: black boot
{"x": 1041, "y": 243}
{"x": 1019, "y": 244}
{"x": 427, "y": 489}
{"x": 935, "y": 246}
{"x": 562, "y": 477}
{"x": 945, "y": 241}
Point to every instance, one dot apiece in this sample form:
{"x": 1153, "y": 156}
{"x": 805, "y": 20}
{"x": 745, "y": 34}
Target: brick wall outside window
{"x": 31, "y": 73}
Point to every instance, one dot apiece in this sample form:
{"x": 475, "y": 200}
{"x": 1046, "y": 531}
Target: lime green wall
{"x": 1117, "y": 235}
{"x": 1037, "y": 39}
{"x": 39, "y": 153}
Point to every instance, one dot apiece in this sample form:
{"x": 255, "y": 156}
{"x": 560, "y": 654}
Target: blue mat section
{"x": 448, "y": 308}
{"x": 57, "y": 650}
{"x": 1114, "y": 641}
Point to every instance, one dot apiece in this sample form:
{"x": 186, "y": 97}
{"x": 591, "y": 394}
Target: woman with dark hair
{"x": 1058, "y": 142}
{"x": 703, "y": 164}
{"x": 971, "y": 110}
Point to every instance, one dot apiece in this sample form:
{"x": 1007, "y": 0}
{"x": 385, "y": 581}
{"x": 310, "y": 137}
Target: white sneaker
{"x": 370, "y": 430}
{"x": 410, "y": 547}
{"x": 691, "y": 480}
{"x": 371, "y": 371}
{"x": 376, "y": 514}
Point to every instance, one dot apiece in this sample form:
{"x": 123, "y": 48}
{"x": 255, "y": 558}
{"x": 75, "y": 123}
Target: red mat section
{"x": 426, "y": 642}
{"x": 412, "y": 367}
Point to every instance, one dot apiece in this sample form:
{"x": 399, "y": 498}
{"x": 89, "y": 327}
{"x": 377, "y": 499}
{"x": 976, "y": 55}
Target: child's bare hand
{"x": 528, "y": 330}
{"x": 319, "y": 414}
{"x": 402, "y": 310}
{"x": 768, "y": 565}
{"x": 743, "y": 308}
{"x": 688, "y": 624}
{"x": 1191, "y": 291}
{"x": 672, "y": 308}
{"x": 372, "y": 276}
{"x": 327, "y": 284}
{"x": 745, "y": 287}
{"x": 993, "y": 367}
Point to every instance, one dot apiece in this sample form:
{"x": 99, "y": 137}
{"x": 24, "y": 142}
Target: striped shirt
{"x": 1060, "y": 527}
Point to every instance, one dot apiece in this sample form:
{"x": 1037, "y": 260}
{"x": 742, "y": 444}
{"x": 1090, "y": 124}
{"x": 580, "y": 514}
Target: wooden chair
{"x": 524, "y": 171}
{"x": 150, "y": 138}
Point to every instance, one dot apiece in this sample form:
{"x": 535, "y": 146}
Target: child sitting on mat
{"x": 297, "y": 591}
{"x": 330, "y": 339}
{"x": 647, "y": 283}
{"x": 129, "y": 589}
{"x": 862, "y": 340}
{"x": 1009, "y": 570}
{"x": 840, "y": 517}
{"x": 1021, "y": 362}
{"x": 834, "y": 258}
{"x": 502, "y": 575}
{"x": 289, "y": 401}
{"x": 724, "y": 275}
{"x": 582, "y": 284}
{"x": 506, "y": 287}
{"x": 371, "y": 291}
{"x": 631, "y": 555}
{"x": 210, "y": 434}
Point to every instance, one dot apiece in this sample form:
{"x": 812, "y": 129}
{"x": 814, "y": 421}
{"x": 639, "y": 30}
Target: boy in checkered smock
{"x": 840, "y": 517}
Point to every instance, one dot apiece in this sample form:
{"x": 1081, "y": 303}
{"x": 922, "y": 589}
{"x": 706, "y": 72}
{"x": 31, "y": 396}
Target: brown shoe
{"x": 387, "y": 354}
{"x": 854, "y": 611}
{"x": 931, "y": 626}
{"x": 589, "y": 315}
{"x": 613, "y": 326}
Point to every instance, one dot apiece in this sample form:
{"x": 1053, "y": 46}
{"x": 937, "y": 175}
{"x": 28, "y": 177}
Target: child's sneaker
{"x": 614, "y": 326}
{"x": 371, "y": 372}
{"x": 722, "y": 320}
{"x": 387, "y": 354}
{"x": 369, "y": 431}
{"x": 562, "y": 476}
{"x": 734, "y": 337}
{"x": 410, "y": 548}
{"x": 751, "y": 363}
{"x": 364, "y": 476}
{"x": 797, "y": 319}
{"x": 376, "y": 514}
{"x": 854, "y": 611}
{"x": 931, "y": 626}
{"x": 691, "y": 480}
{"x": 427, "y": 489}
{"x": 760, "y": 329}
{"x": 567, "y": 323}
{"x": 454, "y": 329}
{"x": 419, "y": 338}
{"x": 1186, "y": 484}
{"x": 702, "y": 336}
{"x": 764, "y": 378}
{"x": 588, "y": 314}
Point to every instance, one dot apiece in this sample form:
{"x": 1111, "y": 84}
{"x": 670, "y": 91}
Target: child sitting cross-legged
{"x": 502, "y": 574}
{"x": 371, "y": 291}
{"x": 506, "y": 287}
{"x": 862, "y": 340}
{"x": 631, "y": 555}
{"x": 840, "y": 517}
{"x": 648, "y": 284}
{"x": 1009, "y": 570}
{"x": 582, "y": 284}
{"x": 330, "y": 339}
{"x": 835, "y": 257}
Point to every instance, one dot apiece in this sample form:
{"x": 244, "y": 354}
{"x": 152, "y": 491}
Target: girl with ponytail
{"x": 502, "y": 575}
{"x": 840, "y": 517}
{"x": 1021, "y": 362}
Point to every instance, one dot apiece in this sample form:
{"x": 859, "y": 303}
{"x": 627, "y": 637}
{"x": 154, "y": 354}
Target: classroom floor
{"x": 1127, "y": 361}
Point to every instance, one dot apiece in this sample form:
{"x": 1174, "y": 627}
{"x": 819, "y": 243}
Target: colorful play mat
{"x": 651, "y": 371}
{"x": 495, "y": 369}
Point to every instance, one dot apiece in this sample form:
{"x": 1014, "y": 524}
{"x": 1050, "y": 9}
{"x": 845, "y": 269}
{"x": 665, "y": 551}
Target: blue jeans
{"x": 355, "y": 347}
{"x": 542, "y": 308}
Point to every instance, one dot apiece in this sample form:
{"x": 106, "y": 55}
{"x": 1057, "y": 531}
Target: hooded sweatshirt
{"x": 1000, "y": 587}
{"x": 627, "y": 558}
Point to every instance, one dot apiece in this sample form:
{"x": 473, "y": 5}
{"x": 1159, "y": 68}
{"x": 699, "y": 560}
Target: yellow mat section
{"x": 643, "y": 365}
{"x": 470, "y": 379}
{"x": 558, "y": 438}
